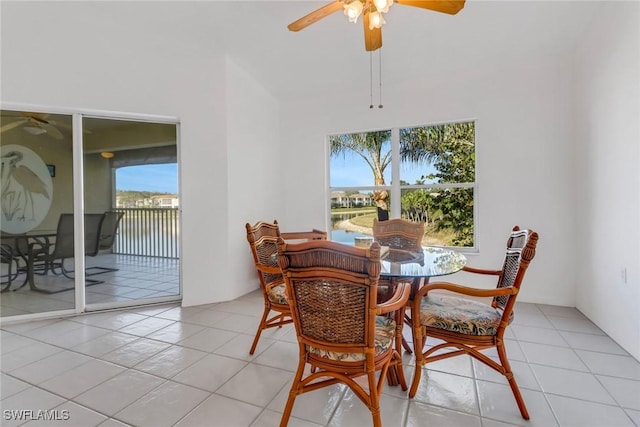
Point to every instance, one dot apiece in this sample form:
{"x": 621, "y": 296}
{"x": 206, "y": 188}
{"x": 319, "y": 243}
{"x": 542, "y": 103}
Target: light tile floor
{"x": 167, "y": 365}
{"x": 136, "y": 277}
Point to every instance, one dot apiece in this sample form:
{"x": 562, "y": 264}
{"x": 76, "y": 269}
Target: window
{"x": 424, "y": 173}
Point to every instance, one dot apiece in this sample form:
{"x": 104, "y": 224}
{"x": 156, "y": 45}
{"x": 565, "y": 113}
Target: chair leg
{"x": 286, "y": 414}
{"x": 399, "y": 372}
{"x": 288, "y": 408}
{"x": 267, "y": 310}
{"x": 502, "y": 354}
{"x": 406, "y": 320}
{"x": 419, "y": 361}
{"x": 377, "y": 420}
{"x": 374, "y": 400}
{"x": 9, "y": 278}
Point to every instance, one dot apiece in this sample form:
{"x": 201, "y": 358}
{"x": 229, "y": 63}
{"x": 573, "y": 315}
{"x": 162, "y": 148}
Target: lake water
{"x": 344, "y": 236}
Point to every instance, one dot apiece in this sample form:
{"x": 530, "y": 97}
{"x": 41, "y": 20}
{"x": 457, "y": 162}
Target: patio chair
{"x": 107, "y": 237}
{"x": 262, "y": 238}
{"x": 52, "y": 255}
{"x": 342, "y": 332}
{"x": 404, "y": 235}
{"x": 109, "y": 229}
{"x": 470, "y": 326}
{"x": 8, "y": 258}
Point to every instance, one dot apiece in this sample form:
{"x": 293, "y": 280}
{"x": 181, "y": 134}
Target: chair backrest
{"x": 521, "y": 248}
{"x": 398, "y": 233}
{"x": 263, "y": 240}
{"x": 332, "y": 293}
{"x": 63, "y": 247}
{"x": 109, "y": 229}
{"x": 64, "y": 237}
{"x": 92, "y": 227}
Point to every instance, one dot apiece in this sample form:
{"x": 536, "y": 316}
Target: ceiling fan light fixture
{"x": 375, "y": 20}
{"x": 353, "y": 10}
{"x": 34, "y": 130}
{"x": 383, "y": 5}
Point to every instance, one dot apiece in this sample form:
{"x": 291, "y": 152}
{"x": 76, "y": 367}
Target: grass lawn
{"x": 432, "y": 236}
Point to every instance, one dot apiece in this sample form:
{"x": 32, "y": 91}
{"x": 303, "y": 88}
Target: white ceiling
{"x": 329, "y": 55}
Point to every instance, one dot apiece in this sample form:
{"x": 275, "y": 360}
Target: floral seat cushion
{"x": 277, "y": 294}
{"x": 459, "y": 315}
{"x": 385, "y": 336}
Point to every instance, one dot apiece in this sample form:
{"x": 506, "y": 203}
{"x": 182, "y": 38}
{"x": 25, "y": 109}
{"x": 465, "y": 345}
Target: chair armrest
{"x": 481, "y": 271}
{"x": 398, "y": 299}
{"x": 38, "y": 252}
{"x": 465, "y": 290}
{"x": 6, "y": 252}
{"x": 305, "y": 235}
{"x": 267, "y": 269}
{"x": 39, "y": 246}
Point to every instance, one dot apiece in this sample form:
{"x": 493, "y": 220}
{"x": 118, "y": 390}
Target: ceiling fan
{"x": 372, "y": 18}
{"x": 34, "y": 123}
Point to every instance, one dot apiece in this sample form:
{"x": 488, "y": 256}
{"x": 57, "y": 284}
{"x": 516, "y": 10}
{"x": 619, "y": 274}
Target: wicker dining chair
{"x": 342, "y": 332}
{"x": 262, "y": 238}
{"x": 403, "y": 235}
{"x": 399, "y": 233}
{"x": 470, "y": 326}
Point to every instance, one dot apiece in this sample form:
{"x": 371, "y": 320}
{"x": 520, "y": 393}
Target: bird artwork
{"x": 20, "y": 187}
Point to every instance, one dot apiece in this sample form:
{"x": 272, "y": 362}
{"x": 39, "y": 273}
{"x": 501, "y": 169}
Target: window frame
{"x": 395, "y": 188}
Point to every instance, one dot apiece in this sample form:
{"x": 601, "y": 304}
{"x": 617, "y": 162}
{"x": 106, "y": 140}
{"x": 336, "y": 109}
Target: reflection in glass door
{"x": 130, "y": 177}
{"x": 36, "y": 198}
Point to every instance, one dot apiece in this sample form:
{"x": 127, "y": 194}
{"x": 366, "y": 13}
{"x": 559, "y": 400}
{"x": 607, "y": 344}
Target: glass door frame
{"x": 77, "y": 116}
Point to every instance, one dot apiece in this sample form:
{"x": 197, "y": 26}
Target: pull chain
{"x": 380, "y": 65}
{"x": 370, "y": 80}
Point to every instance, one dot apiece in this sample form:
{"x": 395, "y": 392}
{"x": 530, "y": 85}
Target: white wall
{"x": 254, "y": 173}
{"x": 607, "y": 107}
{"x": 524, "y": 151}
{"x": 89, "y": 56}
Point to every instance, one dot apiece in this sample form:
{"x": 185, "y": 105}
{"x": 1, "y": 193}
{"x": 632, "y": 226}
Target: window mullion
{"x": 396, "y": 207}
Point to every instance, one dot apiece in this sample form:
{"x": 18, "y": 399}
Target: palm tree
{"x": 369, "y": 146}
{"x": 421, "y": 145}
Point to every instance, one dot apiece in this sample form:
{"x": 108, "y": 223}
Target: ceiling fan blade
{"x": 12, "y": 125}
{"x": 41, "y": 117}
{"x": 445, "y": 6}
{"x": 52, "y": 131}
{"x": 372, "y": 38}
{"x": 316, "y": 15}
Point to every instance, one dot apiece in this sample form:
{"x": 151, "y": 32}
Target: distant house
{"x": 156, "y": 201}
{"x": 344, "y": 200}
{"x": 165, "y": 201}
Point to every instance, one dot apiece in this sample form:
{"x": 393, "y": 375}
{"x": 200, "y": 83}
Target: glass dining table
{"x": 417, "y": 268}
{"x": 431, "y": 262}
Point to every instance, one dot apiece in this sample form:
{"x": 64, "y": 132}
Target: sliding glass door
{"x": 116, "y": 182}
{"x": 37, "y": 189}
{"x": 131, "y": 174}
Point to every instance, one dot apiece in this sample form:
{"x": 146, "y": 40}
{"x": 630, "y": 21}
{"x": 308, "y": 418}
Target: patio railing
{"x": 149, "y": 232}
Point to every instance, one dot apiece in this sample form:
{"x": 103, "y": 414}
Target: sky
{"x": 352, "y": 171}
{"x": 154, "y": 178}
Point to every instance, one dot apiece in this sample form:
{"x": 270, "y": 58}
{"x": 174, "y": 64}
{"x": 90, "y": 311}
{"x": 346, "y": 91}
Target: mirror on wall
{"x": 131, "y": 212}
